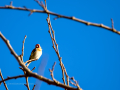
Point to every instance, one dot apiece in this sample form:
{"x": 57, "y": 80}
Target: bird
{"x": 36, "y": 53}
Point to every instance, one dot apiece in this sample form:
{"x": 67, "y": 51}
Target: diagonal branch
{"x": 29, "y": 72}
{"x": 3, "y": 81}
{"x": 33, "y": 87}
{"x": 55, "y": 46}
{"x": 60, "y": 16}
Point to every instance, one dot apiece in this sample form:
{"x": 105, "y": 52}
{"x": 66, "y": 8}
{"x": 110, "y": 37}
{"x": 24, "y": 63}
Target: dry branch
{"x": 27, "y": 83}
{"x": 30, "y": 60}
{"x": 23, "y": 48}
{"x": 51, "y": 70}
{"x": 3, "y": 81}
{"x": 60, "y": 16}
{"x": 33, "y": 87}
{"x": 14, "y": 77}
{"x": 75, "y": 83}
{"x": 30, "y": 73}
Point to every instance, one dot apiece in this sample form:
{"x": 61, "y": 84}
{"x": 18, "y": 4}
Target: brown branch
{"x": 30, "y": 60}
{"x": 33, "y": 87}
{"x": 60, "y": 16}
{"x": 14, "y": 77}
{"x": 23, "y": 48}
{"x": 33, "y": 68}
{"x": 55, "y": 47}
{"x": 76, "y": 83}
{"x": 3, "y": 81}
{"x": 51, "y": 70}
{"x": 29, "y": 72}
{"x": 27, "y": 83}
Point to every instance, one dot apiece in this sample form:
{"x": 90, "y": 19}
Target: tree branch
{"x": 30, "y": 73}
{"x": 3, "y": 81}
{"x": 51, "y": 70}
{"x": 14, "y": 77}
{"x": 23, "y": 48}
{"x": 60, "y": 16}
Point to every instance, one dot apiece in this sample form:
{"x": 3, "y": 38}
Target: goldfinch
{"x": 36, "y": 53}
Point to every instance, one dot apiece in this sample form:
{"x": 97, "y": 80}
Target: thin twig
{"x": 51, "y": 70}
{"x": 31, "y": 60}
{"x": 27, "y": 83}
{"x": 61, "y": 16}
{"x": 30, "y": 73}
{"x": 76, "y": 83}
{"x": 33, "y": 87}
{"x": 112, "y": 23}
{"x": 3, "y": 81}
{"x": 23, "y": 48}
{"x": 33, "y": 68}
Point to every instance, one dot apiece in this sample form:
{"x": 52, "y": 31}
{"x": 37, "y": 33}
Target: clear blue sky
{"x": 90, "y": 54}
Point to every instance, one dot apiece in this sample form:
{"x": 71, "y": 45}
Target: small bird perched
{"x": 36, "y": 53}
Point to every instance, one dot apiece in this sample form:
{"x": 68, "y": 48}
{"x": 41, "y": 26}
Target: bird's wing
{"x": 32, "y": 54}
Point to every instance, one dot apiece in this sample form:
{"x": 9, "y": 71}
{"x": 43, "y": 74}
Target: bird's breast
{"x": 37, "y": 54}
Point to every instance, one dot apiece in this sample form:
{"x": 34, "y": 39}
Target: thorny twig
{"x": 60, "y": 16}
{"x": 3, "y": 81}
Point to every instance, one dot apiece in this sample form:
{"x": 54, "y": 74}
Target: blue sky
{"x": 90, "y": 54}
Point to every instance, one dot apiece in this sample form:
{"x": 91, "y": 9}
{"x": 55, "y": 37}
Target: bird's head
{"x": 37, "y": 46}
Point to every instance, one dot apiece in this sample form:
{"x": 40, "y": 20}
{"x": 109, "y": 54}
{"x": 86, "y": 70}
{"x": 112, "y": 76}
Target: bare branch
{"x": 52, "y": 71}
{"x": 30, "y": 73}
{"x": 30, "y": 60}
{"x": 33, "y": 68}
{"x": 3, "y": 81}
{"x": 14, "y": 77}
{"x": 33, "y": 87}
{"x": 55, "y": 46}
{"x": 27, "y": 83}
{"x": 23, "y": 48}
{"x": 76, "y": 83}
{"x": 60, "y": 16}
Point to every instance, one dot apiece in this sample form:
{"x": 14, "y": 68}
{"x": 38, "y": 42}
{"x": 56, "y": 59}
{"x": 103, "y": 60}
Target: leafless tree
{"x": 23, "y": 65}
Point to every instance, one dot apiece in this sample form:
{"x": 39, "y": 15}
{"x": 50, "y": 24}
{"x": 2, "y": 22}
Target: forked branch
{"x": 29, "y": 72}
